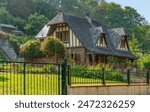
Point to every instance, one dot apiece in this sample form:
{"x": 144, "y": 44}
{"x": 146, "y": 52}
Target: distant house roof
{"x": 88, "y": 32}
{"x": 7, "y": 26}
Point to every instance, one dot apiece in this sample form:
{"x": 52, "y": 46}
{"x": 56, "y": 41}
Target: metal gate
{"x": 26, "y": 78}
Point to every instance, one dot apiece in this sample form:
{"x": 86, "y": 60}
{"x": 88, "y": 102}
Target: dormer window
{"x": 102, "y": 41}
{"x": 123, "y": 44}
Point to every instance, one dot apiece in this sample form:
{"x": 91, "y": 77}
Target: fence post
{"x": 64, "y": 85}
{"x": 128, "y": 76}
{"x": 59, "y": 79}
{"x": 24, "y": 76}
{"x": 103, "y": 76}
{"x": 147, "y": 77}
{"x": 69, "y": 75}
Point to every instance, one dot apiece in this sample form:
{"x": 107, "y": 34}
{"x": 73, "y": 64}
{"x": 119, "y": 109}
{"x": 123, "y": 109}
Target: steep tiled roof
{"x": 88, "y": 32}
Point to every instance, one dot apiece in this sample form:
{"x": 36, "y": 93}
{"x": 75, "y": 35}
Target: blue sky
{"x": 142, "y": 6}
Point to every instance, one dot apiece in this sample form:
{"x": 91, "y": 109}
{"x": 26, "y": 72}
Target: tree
{"x": 46, "y": 7}
{"x": 72, "y": 6}
{"x": 53, "y": 47}
{"x": 31, "y": 49}
{"x": 144, "y": 61}
{"x": 89, "y": 6}
{"x": 5, "y": 16}
{"x": 35, "y": 23}
{"x": 20, "y": 8}
{"x": 135, "y": 46}
{"x": 116, "y": 16}
{"x": 19, "y": 23}
{"x": 99, "y": 12}
{"x": 145, "y": 37}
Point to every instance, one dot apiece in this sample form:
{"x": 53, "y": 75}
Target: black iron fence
{"x": 104, "y": 76}
{"x": 26, "y": 78}
{"x": 23, "y": 78}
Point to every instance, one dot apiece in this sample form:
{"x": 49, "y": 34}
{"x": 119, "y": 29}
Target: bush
{"x": 95, "y": 72}
{"x": 31, "y": 49}
{"x": 14, "y": 43}
{"x": 3, "y": 35}
{"x": 53, "y": 47}
{"x": 144, "y": 61}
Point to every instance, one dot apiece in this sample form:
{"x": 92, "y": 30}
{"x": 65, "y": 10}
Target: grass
{"x": 40, "y": 84}
{"x": 35, "y": 84}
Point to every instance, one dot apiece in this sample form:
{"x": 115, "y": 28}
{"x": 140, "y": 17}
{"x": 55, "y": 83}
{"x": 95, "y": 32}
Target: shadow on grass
{"x": 3, "y": 79}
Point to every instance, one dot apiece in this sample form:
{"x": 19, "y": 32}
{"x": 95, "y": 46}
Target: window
{"x": 63, "y": 36}
{"x": 102, "y": 42}
{"x": 123, "y": 45}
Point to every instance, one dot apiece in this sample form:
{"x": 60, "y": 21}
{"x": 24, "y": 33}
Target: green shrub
{"x": 31, "y": 49}
{"x": 14, "y": 43}
{"x": 3, "y": 35}
{"x": 30, "y": 68}
{"x": 113, "y": 75}
{"x": 49, "y": 69}
{"x": 53, "y": 47}
{"x": 144, "y": 61}
{"x": 95, "y": 72}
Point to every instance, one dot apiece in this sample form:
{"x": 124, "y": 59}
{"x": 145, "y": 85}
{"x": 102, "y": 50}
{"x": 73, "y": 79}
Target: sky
{"x": 142, "y": 6}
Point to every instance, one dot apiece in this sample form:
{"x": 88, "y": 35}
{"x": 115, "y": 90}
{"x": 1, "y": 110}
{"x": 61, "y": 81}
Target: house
{"x": 88, "y": 41}
{"x": 7, "y": 28}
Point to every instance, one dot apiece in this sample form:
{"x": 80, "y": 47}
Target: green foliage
{"x": 95, "y": 72}
{"x": 3, "y": 35}
{"x": 145, "y": 37}
{"x": 49, "y": 47}
{"x": 128, "y": 18}
{"x": 19, "y": 23}
{"x": 5, "y": 16}
{"x": 144, "y": 61}
{"x": 46, "y": 7}
{"x": 14, "y": 43}
{"x": 53, "y": 47}
{"x": 2, "y": 58}
{"x": 20, "y": 8}
{"x": 30, "y": 68}
{"x": 35, "y": 23}
{"x": 135, "y": 46}
{"x": 31, "y": 49}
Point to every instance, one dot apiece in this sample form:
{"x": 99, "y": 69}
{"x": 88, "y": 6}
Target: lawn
{"x": 35, "y": 84}
{"x": 40, "y": 84}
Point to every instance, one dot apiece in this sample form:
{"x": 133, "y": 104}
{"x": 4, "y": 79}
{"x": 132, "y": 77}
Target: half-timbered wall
{"x": 66, "y": 35}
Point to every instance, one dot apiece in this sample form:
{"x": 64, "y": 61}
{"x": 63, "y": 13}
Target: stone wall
{"x": 110, "y": 90}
